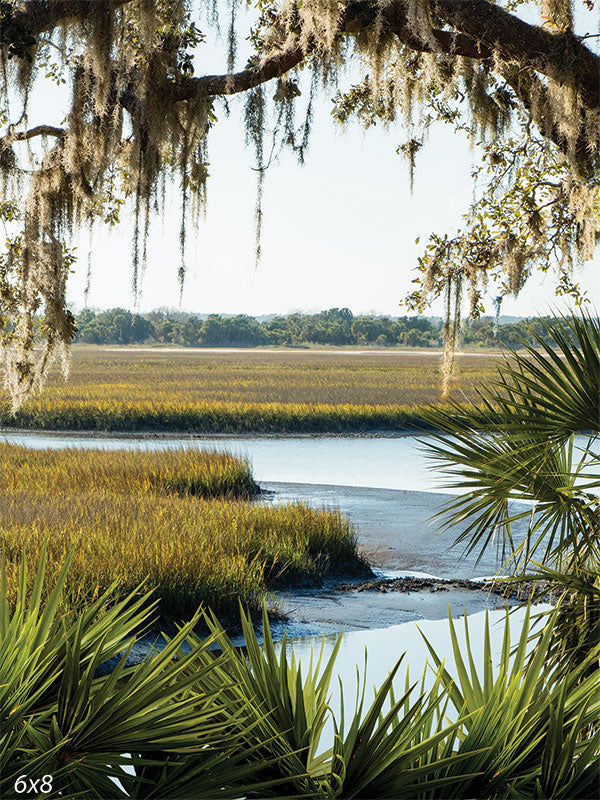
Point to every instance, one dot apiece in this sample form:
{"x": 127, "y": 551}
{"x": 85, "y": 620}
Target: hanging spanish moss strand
{"x": 88, "y": 274}
{"x": 184, "y": 199}
{"x": 451, "y": 328}
{"x": 255, "y": 132}
{"x": 557, "y": 14}
{"x": 232, "y": 35}
{"x": 497, "y": 307}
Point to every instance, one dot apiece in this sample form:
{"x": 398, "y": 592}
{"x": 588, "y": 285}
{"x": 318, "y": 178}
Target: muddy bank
{"x": 10, "y": 432}
{"x": 419, "y": 574}
{"x": 332, "y": 609}
{"x": 397, "y": 528}
{"x": 416, "y": 584}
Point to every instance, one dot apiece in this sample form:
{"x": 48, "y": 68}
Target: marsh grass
{"x": 204, "y": 473}
{"x": 167, "y": 518}
{"x": 247, "y": 392}
{"x": 207, "y": 417}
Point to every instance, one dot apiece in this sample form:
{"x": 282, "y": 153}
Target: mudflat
{"x": 397, "y": 529}
{"x": 398, "y": 537}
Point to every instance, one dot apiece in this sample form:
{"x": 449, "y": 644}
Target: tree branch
{"x": 38, "y": 130}
{"x": 451, "y": 42}
{"x": 252, "y": 76}
{"x": 559, "y": 56}
{"x": 480, "y": 29}
{"x": 38, "y": 16}
{"x": 236, "y": 82}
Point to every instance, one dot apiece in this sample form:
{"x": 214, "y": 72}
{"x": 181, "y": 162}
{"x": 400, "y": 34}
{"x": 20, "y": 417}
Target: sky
{"x": 339, "y": 231}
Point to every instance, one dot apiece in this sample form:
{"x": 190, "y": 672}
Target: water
{"x": 384, "y": 646}
{"x": 381, "y": 462}
{"x": 384, "y": 484}
{"x": 385, "y": 462}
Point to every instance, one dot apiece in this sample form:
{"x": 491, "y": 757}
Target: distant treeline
{"x": 337, "y": 326}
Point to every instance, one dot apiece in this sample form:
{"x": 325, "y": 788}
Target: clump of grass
{"x": 140, "y": 516}
{"x": 215, "y": 417}
{"x": 203, "y": 473}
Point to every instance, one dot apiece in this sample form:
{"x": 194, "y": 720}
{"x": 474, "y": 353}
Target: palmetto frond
{"x": 189, "y": 723}
{"x": 64, "y": 716}
{"x": 514, "y": 455}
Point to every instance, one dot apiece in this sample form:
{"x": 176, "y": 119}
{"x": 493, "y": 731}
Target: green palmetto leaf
{"x": 27, "y": 667}
{"x": 397, "y": 748}
{"x": 87, "y": 729}
{"x": 577, "y": 618}
{"x": 528, "y": 715}
{"x": 188, "y": 722}
{"x": 385, "y": 752}
{"x": 288, "y": 710}
{"x": 556, "y": 385}
{"x": 35, "y": 642}
{"x": 517, "y": 445}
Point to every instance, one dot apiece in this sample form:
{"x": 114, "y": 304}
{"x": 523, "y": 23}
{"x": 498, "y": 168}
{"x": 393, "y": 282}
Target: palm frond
{"x": 513, "y": 456}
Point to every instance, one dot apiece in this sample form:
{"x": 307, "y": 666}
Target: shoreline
{"x": 183, "y": 435}
{"x": 394, "y": 533}
{"x": 360, "y": 601}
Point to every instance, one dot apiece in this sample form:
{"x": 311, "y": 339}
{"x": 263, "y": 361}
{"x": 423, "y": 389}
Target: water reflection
{"x": 383, "y": 647}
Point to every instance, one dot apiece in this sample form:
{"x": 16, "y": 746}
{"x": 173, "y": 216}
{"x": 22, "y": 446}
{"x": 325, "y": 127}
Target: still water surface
{"x": 394, "y": 462}
{"x": 384, "y": 646}
{"x": 382, "y": 462}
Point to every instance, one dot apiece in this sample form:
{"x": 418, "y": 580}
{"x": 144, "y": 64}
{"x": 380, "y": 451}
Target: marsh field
{"x": 279, "y": 391}
{"x": 104, "y": 519}
{"x": 187, "y": 522}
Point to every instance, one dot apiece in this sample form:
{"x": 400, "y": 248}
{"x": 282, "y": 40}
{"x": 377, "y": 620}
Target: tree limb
{"x": 236, "y": 82}
{"x": 249, "y": 78}
{"x": 254, "y": 75}
{"x": 38, "y": 130}
{"x": 39, "y": 16}
{"x": 480, "y": 29}
{"x": 559, "y": 56}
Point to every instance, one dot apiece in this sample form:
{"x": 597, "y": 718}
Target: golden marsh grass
{"x": 301, "y": 391}
{"x": 128, "y": 519}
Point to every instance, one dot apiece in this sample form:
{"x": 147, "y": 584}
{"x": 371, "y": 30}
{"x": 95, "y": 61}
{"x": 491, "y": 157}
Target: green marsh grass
{"x": 218, "y": 392}
{"x": 164, "y": 517}
{"x": 204, "y": 473}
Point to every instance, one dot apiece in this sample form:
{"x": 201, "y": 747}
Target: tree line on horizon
{"x": 335, "y": 326}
